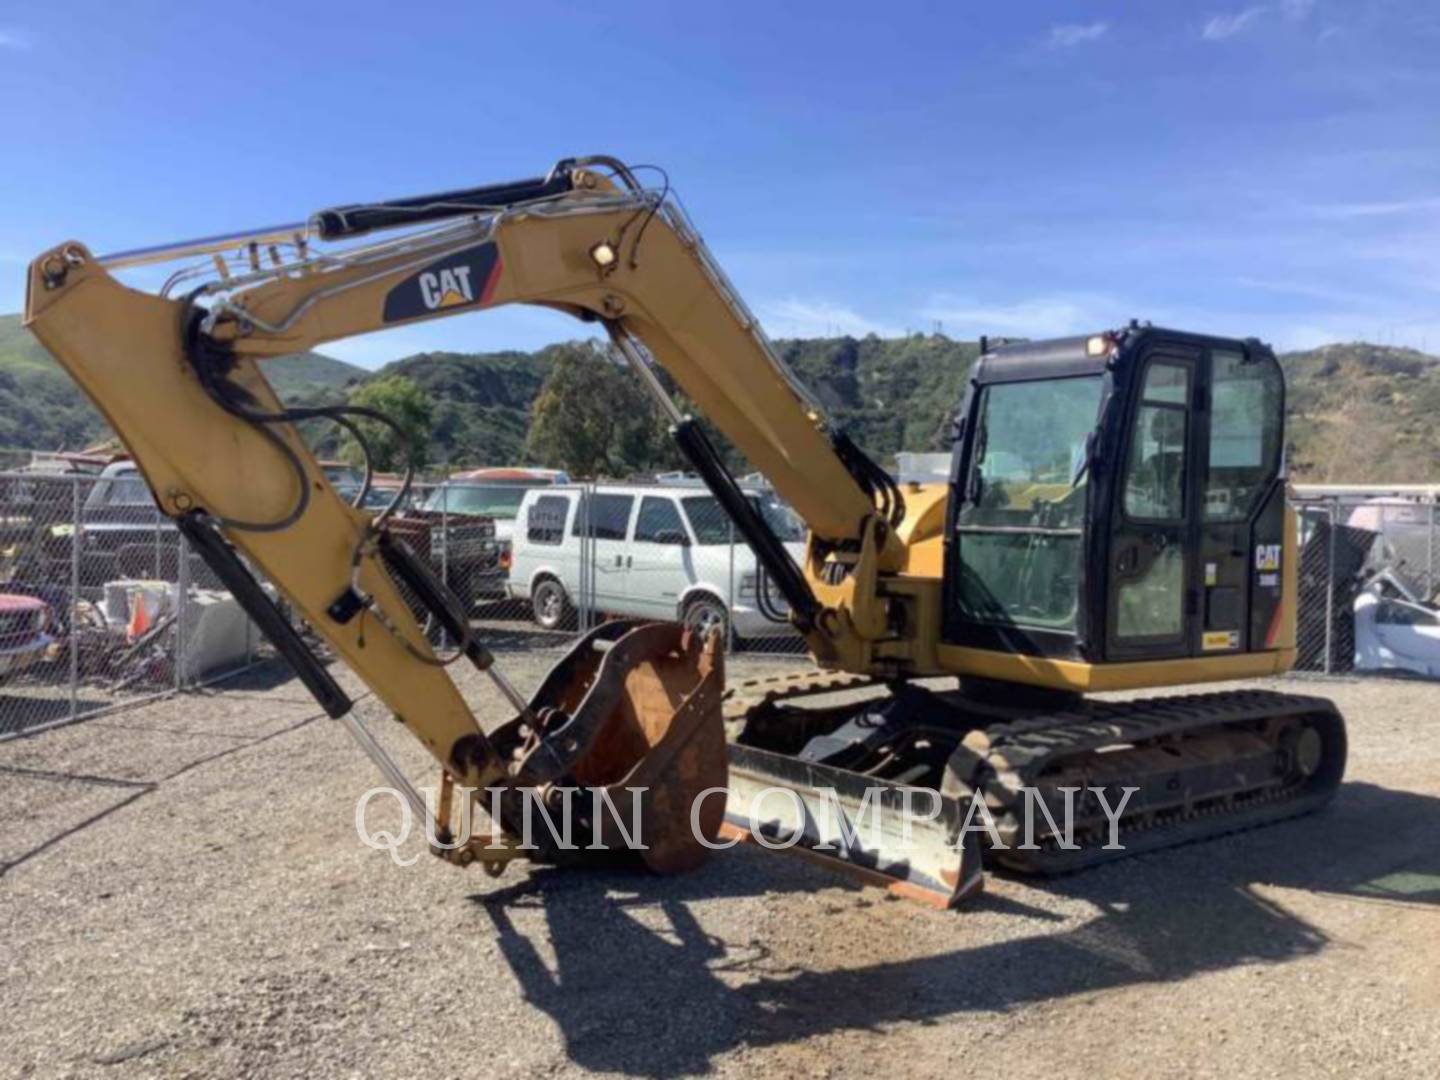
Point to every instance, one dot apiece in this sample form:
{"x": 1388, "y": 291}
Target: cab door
{"x": 1152, "y": 604}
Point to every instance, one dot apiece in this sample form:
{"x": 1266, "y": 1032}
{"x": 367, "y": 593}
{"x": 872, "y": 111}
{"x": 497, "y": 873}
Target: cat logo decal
{"x": 466, "y": 278}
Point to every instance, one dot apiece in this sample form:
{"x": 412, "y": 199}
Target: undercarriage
{"x": 995, "y": 775}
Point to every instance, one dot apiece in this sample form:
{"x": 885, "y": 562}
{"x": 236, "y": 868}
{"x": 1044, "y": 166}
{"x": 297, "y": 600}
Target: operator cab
{"x": 1118, "y": 497}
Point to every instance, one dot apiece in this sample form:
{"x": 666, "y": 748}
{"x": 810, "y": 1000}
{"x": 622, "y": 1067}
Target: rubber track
{"x": 1006, "y": 757}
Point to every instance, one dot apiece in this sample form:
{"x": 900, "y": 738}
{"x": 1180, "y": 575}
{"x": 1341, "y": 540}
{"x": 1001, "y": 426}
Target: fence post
{"x": 445, "y": 548}
{"x": 1330, "y": 586}
{"x": 182, "y": 600}
{"x": 730, "y": 590}
{"x": 76, "y": 539}
{"x": 576, "y": 531}
{"x": 1430, "y": 552}
{"x": 587, "y": 558}
{"x": 445, "y": 532}
{"x": 159, "y": 574}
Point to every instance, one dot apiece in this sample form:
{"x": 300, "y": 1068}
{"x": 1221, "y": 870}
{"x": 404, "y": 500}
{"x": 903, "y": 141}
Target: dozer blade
{"x": 902, "y": 838}
{"x": 879, "y": 820}
{"x": 631, "y": 717}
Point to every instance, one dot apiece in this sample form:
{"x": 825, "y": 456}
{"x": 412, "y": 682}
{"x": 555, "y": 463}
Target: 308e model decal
{"x": 464, "y": 278}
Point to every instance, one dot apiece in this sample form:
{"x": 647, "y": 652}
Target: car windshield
{"x": 711, "y": 524}
{"x": 492, "y": 500}
{"x": 121, "y": 489}
{"x": 341, "y": 474}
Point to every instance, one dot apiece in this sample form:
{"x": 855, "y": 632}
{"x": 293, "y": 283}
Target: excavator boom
{"x": 180, "y": 378}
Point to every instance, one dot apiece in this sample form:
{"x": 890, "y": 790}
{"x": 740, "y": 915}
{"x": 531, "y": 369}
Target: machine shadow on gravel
{"x": 640, "y": 987}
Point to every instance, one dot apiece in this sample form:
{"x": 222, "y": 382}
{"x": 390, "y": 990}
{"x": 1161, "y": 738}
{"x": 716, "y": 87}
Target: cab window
{"x": 1020, "y": 525}
{"x": 1245, "y": 432}
{"x": 1155, "y": 468}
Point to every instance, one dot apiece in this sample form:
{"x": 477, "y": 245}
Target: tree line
{"x": 592, "y": 417}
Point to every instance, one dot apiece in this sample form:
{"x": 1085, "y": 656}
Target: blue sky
{"x": 1019, "y": 169}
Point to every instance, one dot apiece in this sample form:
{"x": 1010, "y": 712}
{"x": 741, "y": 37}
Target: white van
{"x": 657, "y": 552}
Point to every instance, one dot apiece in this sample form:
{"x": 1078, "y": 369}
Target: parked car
{"x": 478, "y": 563}
{"x": 24, "y": 621}
{"x": 341, "y": 474}
{"x": 657, "y": 552}
{"x": 124, "y": 535}
{"x": 1395, "y": 634}
{"x": 1395, "y": 630}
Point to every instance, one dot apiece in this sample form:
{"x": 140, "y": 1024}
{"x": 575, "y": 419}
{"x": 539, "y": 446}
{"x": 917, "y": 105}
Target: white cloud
{"x": 1042, "y": 317}
{"x": 1072, "y": 34}
{"x": 1297, "y": 10}
{"x": 10, "y": 38}
{"x": 1337, "y": 211}
{"x": 1324, "y": 328}
{"x": 795, "y": 317}
{"x": 1221, "y": 27}
{"x": 1306, "y": 289}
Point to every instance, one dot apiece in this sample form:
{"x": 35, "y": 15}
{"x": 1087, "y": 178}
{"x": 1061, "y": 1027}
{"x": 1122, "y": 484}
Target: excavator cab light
{"x": 1099, "y": 345}
{"x": 603, "y": 254}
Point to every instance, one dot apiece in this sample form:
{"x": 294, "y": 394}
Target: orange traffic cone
{"x": 139, "y": 617}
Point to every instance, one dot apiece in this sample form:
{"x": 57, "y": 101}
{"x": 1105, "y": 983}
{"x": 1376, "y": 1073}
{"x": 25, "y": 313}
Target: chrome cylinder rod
{"x": 206, "y": 245}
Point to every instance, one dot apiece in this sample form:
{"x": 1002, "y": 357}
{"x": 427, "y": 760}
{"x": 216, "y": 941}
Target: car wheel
{"x": 549, "y": 604}
{"x": 705, "y": 614}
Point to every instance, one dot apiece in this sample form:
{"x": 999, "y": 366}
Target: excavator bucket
{"x": 631, "y": 716}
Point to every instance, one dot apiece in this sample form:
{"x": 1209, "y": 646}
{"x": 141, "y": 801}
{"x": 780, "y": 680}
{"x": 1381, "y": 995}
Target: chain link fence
{"x": 1369, "y": 597}
{"x": 103, "y": 605}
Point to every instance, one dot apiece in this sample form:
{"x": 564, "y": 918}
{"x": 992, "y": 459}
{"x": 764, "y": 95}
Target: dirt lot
{"x": 183, "y": 893}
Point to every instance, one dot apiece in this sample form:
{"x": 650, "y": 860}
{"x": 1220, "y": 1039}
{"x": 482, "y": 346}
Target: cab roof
{"x": 1058, "y": 358}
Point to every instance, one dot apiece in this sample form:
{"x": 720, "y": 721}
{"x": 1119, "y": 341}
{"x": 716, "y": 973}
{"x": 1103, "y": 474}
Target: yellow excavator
{"x": 1115, "y": 519}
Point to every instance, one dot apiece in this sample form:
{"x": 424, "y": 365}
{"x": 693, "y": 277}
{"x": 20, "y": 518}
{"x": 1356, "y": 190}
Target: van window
{"x": 608, "y": 516}
{"x": 711, "y": 524}
{"x": 658, "y": 516}
{"x": 546, "y": 524}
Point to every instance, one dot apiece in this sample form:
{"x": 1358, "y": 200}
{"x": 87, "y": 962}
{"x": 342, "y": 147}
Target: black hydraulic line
{"x": 873, "y": 480}
{"x": 768, "y": 549}
{"x": 434, "y": 596}
{"x": 221, "y": 558}
{"x": 763, "y": 600}
{"x": 359, "y": 218}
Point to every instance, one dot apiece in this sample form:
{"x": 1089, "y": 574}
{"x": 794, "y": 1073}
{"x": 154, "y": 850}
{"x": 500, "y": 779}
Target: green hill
{"x": 1364, "y": 414}
{"x": 1358, "y": 412}
{"x": 41, "y": 408}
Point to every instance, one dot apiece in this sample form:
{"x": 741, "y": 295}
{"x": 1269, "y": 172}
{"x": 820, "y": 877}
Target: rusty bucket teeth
{"x": 631, "y": 716}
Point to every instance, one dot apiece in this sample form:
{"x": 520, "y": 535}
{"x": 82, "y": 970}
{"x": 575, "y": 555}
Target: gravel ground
{"x": 183, "y": 894}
